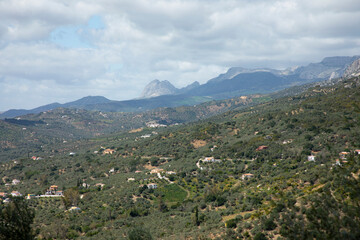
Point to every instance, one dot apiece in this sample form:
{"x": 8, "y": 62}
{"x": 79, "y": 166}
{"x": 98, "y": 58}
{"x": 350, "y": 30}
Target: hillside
{"x": 33, "y": 133}
{"x": 257, "y": 182}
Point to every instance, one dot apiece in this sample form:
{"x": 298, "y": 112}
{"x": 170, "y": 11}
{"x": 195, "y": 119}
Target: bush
{"x": 231, "y": 223}
{"x": 139, "y": 234}
{"x": 260, "y": 236}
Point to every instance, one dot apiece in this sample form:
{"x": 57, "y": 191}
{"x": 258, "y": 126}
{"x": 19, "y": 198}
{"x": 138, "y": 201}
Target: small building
{"x": 311, "y": 158}
{"x": 3, "y": 194}
{"x": 72, "y": 154}
{"x": 343, "y": 155}
{"x": 53, "y": 188}
{"x": 357, "y": 151}
{"x": 16, "y": 194}
{"x": 112, "y": 170}
{"x": 156, "y": 171}
{"x": 130, "y": 179}
{"x": 208, "y": 159}
{"x": 146, "y": 136}
{"x": 108, "y": 151}
{"x": 137, "y": 171}
{"x": 170, "y": 172}
{"x": 59, "y": 193}
{"x": 287, "y": 141}
{"x": 337, "y": 162}
{"x": 15, "y": 182}
{"x": 152, "y": 186}
{"x": 247, "y": 176}
{"x": 262, "y": 147}
{"x": 74, "y": 209}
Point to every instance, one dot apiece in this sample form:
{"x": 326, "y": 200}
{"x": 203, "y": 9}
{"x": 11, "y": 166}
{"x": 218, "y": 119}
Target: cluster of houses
{"x": 153, "y": 124}
{"x": 13, "y": 182}
{"x": 342, "y": 157}
{"x": 4, "y": 197}
{"x": 52, "y": 191}
{"x": 158, "y": 172}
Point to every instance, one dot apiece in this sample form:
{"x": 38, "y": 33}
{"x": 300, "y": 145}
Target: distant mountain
{"x": 90, "y": 100}
{"x": 237, "y": 81}
{"x": 328, "y": 68}
{"x": 234, "y": 71}
{"x": 87, "y": 101}
{"x": 243, "y": 81}
{"x": 19, "y": 112}
{"x": 157, "y": 88}
{"x": 189, "y": 87}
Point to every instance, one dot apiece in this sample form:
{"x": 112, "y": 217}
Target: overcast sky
{"x": 59, "y": 51}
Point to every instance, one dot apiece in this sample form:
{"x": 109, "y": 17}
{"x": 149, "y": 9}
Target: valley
{"x": 264, "y": 167}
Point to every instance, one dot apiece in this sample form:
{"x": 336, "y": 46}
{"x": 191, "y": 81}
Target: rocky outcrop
{"x": 353, "y": 69}
{"x": 158, "y": 88}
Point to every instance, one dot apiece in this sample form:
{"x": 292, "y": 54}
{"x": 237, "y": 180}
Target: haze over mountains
{"x": 237, "y": 81}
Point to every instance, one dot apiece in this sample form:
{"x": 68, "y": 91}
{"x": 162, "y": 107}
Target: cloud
{"x": 62, "y": 50}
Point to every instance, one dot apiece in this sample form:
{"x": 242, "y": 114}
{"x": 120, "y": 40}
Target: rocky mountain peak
{"x": 157, "y": 88}
{"x": 353, "y": 69}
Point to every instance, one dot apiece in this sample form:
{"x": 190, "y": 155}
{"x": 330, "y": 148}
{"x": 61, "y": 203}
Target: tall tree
{"x": 15, "y": 220}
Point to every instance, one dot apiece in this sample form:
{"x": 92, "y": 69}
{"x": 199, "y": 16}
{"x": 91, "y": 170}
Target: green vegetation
{"x": 15, "y": 220}
{"x": 257, "y": 182}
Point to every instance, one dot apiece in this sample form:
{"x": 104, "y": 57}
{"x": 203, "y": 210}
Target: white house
{"x": 15, "y": 182}
{"x": 311, "y": 158}
{"x": 247, "y": 176}
{"x": 152, "y": 186}
{"x": 16, "y": 194}
{"x": 208, "y": 159}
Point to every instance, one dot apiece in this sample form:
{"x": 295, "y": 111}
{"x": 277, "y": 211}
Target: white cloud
{"x": 179, "y": 40}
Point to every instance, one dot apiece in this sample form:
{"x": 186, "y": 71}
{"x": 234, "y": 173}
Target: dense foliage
{"x": 257, "y": 181}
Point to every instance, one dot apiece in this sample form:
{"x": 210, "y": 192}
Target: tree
{"x": 15, "y": 220}
{"x": 162, "y": 205}
{"x": 196, "y": 216}
{"x": 139, "y": 234}
{"x": 71, "y": 197}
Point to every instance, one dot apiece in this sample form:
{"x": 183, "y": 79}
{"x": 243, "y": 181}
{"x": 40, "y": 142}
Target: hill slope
{"x": 263, "y": 184}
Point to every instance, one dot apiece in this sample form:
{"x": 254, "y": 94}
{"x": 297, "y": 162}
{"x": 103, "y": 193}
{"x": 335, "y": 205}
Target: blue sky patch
{"x": 77, "y": 36}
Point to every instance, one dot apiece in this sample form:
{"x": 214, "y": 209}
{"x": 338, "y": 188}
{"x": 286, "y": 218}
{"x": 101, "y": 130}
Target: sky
{"x": 60, "y": 51}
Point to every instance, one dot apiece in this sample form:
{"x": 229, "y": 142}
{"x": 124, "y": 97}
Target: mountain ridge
{"x": 237, "y": 81}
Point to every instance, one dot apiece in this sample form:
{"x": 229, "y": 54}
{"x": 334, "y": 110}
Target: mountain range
{"x": 237, "y": 81}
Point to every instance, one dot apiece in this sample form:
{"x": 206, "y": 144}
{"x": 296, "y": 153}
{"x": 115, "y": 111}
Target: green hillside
{"x": 241, "y": 174}
{"x": 37, "y": 134}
